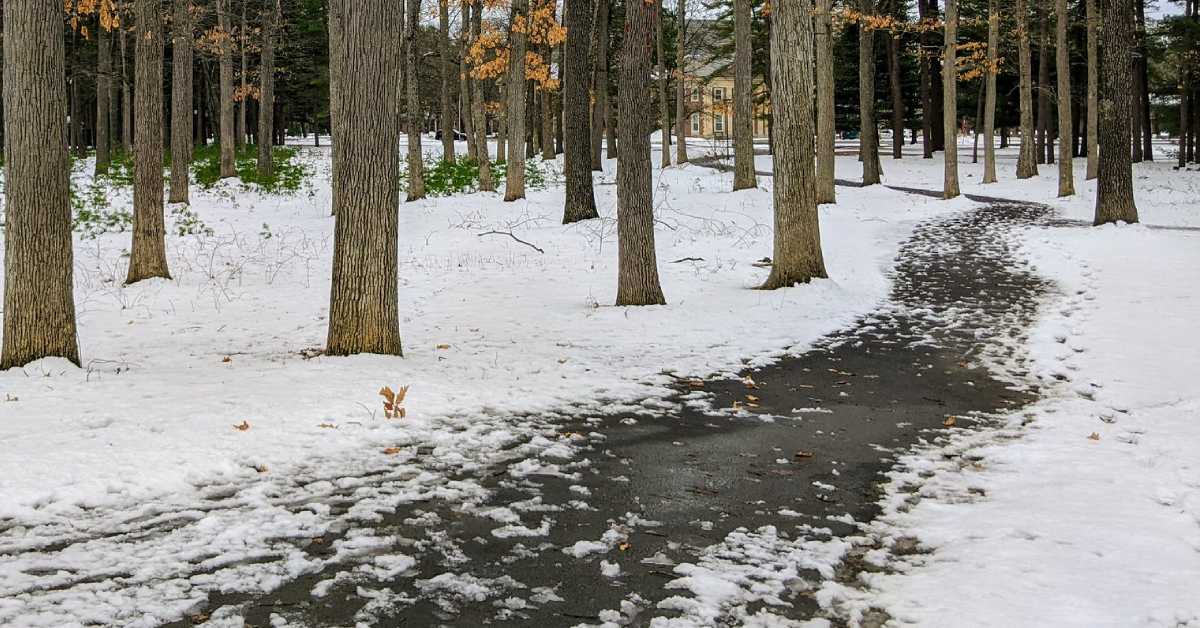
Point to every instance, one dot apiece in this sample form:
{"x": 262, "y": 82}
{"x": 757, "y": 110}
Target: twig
{"x": 688, "y": 259}
{"x": 530, "y": 245}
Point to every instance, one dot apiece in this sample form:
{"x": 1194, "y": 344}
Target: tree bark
{"x": 363, "y": 311}
{"x": 1143, "y": 81}
{"x": 893, "y": 53}
{"x": 1045, "y": 145}
{"x": 415, "y": 158}
{"x": 266, "y": 102}
{"x": 743, "y": 111}
{"x": 1093, "y": 87}
{"x": 148, "y": 255}
{"x": 336, "y": 25}
{"x": 823, "y": 22}
{"x": 548, "y": 115}
{"x": 39, "y": 299}
{"x": 447, "y": 68}
{"x": 950, "y": 101}
{"x": 681, "y": 155}
{"x": 1114, "y": 187}
{"x": 240, "y": 140}
{"x": 1066, "y": 172}
{"x": 600, "y": 116}
{"x": 479, "y": 116}
{"x": 1027, "y": 157}
{"x": 926, "y": 88}
{"x": 637, "y": 281}
{"x": 181, "y": 102}
{"x": 868, "y": 136}
{"x": 225, "y": 48}
{"x": 663, "y": 104}
{"x": 989, "y": 107}
{"x": 797, "y": 246}
{"x": 103, "y": 89}
{"x": 580, "y": 203}
{"x": 514, "y": 180}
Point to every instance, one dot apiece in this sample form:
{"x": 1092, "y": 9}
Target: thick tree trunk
{"x": 412, "y": 121}
{"x": 181, "y": 102}
{"x": 266, "y": 108}
{"x": 363, "y": 316}
{"x": 580, "y": 203}
{"x": 989, "y": 106}
{"x": 637, "y": 282}
{"x": 599, "y": 83}
{"x": 1027, "y": 157}
{"x": 868, "y": 136}
{"x": 1093, "y": 87}
{"x": 823, "y": 21}
{"x": 479, "y": 117}
{"x": 950, "y": 101}
{"x": 103, "y": 90}
{"x": 797, "y": 247}
{"x": 39, "y": 299}
{"x": 1066, "y": 172}
{"x": 1114, "y": 186}
{"x": 743, "y": 109}
{"x": 514, "y": 179}
{"x": 225, "y": 48}
{"x": 447, "y": 74}
{"x": 681, "y": 155}
{"x": 664, "y": 106}
{"x": 893, "y": 53}
{"x": 148, "y": 255}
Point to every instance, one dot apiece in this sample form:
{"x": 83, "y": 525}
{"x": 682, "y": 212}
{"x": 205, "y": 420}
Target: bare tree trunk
{"x": 950, "y": 100}
{"x": 501, "y": 128}
{"x": 39, "y": 299}
{"x": 466, "y": 107}
{"x": 637, "y": 282}
{"x": 580, "y": 203}
{"x": 415, "y": 158}
{"x": 447, "y": 70}
{"x": 148, "y": 255}
{"x": 600, "y": 117}
{"x": 363, "y": 316}
{"x": 480, "y": 117}
{"x": 225, "y": 28}
{"x": 989, "y": 107}
{"x": 1093, "y": 87}
{"x": 1027, "y": 158}
{"x": 797, "y": 247}
{"x": 868, "y": 137}
{"x": 1045, "y": 145}
{"x": 336, "y": 26}
{"x": 926, "y": 87}
{"x": 240, "y": 140}
{"x": 823, "y": 22}
{"x": 266, "y": 108}
{"x": 103, "y": 89}
{"x": 743, "y": 111}
{"x": 1066, "y": 172}
{"x": 548, "y": 113}
{"x": 514, "y": 180}
{"x": 897, "y": 95}
{"x": 1114, "y": 187}
{"x": 1143, "y": 82}
{"x": 681, "y": 155}
{"x": 181, "y": 102}
{"x": 663, "y": 104}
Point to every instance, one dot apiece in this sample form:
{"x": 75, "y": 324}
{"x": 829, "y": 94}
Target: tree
{"x": 447, "y": 71}
{"x": 1066, "y": 175}
{"x": 797, "y": 249}
{"x": 243, "y": 89}
{"x": 39, "y": 300}
{"x": 1026, "y": 158}
{"x": 868, "y": 136}
{"x": 224, "y": 35}
{"x": 637, "y": 282}
{"x": 743, "y": 86}
{"x": 599, "y": 83}
{"x": 126, "y": 99}
{"x": 514, "y": 180}
{"x": 1045, "y": 141}
{"x": 950, "y": 101}
{"x": 148, "y": 255}
{"x": 103, "y": 92}
{"x": 266, "y": 100}
{"x": 1093, "y": 87}
{"x": 1114, "y": 188}
{"x": 680, "y": 84}
{"x": 897, "y": 93}
{"x": 989, "y": 107}
{"x": 478, "y": 116}
{"x": 580, "y": 203}
{"x": 416, "y": 166}
{"x": 663, "y": 106}
{"x": 823, "y": 21}
{"x": 363, "y": 316}
{"x": 181, "y": 102}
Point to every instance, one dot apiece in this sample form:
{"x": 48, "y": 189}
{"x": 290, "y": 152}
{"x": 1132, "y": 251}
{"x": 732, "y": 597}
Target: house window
{"x": 719, "y": 123}
{"x": 718, "y": 94}
{"x": 696, "y": 123}
{"x": 695, "y": 94}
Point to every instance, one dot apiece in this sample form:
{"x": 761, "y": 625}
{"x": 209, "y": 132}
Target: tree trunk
{"x": 935, "y": 85}
{"x": 415, "y": 158}
{"x": 39, "y": 300}
{"x": 225, "y": 47}
{"x": 148, "y": 255}
{"x": 743, "y": 111}
{"x": 637, "y": 282}
{"x": 181, "y": 102}
{"x": 479, "y": 116}
{"x": 1027, "y": 157}
{"x": 797, "y": 246}
{"x": 599, "y": 83}
{"x": 989, "y": 107}
{"x": 447, "y": 68}
{"x": 663, "y": 104}
{"x": 868, "y": 136}
{"x": 466, "y": 107}
{"x": 926, "y": 88}
{"x": 1066, "y": 172}
{"x": 610, "y": 107}
{"x": 1093, "y": 87}
{"x": 950, "y": 101}
{"x": 681, "y": 155}
{"x": 241, "y": 101}
{"x": 76, "y": 131}
{"x": 103, "y": 89}
{"x": 1114, "y": 186}
{"x": 823, "y": 19}
{"x": 1045, "y": 145}
{"x": 266, "y": 108}
{"x": 514, "y": 180}
{"x": 580, "y": 203}
{"x": 1143, "y": 80}
{"x": 897, "y": 95}
{"x": 548, "y": 115}
{"x": 363, "y": 316}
